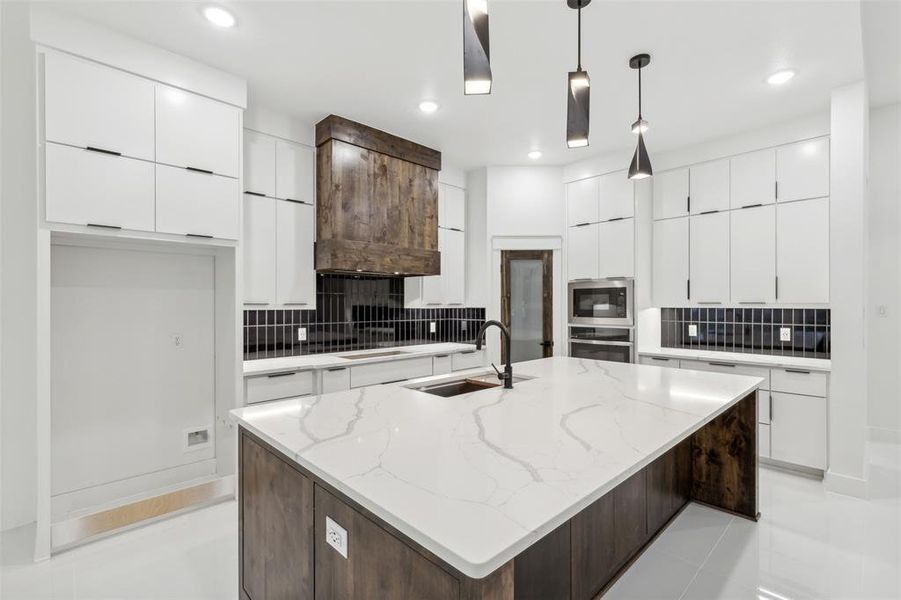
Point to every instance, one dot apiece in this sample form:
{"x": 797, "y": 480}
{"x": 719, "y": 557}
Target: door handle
{"x": 102, "y": 150}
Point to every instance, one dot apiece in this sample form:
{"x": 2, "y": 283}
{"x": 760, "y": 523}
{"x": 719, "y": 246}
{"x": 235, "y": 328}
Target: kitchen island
{"x": 548, "y": 490}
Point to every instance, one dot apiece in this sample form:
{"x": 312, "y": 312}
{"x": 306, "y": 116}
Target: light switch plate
{"x": 301, "y": 334}
{"x": 432, "y": 327}
{"x": 785, "y": 334}
{"x": 336, "y": 536}
{"x": 692, "y": 331}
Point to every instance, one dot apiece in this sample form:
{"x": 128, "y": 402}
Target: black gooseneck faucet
{"x": 507, "y": 375}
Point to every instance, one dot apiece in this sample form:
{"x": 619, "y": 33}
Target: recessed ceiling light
{"x": 219, "y": 16}
{"x": 428, "y": 107}
{"x": 780, "y": 77}
{"x": 535, "y": 154}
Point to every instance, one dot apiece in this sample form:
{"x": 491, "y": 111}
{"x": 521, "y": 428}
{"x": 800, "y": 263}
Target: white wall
{"x": 18, "y": 320}
{"x": 884, "y": 326}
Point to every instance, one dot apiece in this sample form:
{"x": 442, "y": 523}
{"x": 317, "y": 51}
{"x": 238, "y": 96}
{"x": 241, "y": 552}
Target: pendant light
{"x": 641, "y": 164}
{"x": 577, "y": 91}
{"x": 476, "y": 58}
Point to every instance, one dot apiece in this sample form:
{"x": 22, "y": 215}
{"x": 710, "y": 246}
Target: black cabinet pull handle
{"x": 296, "y": 201}
{"x": 581, "y": 224}
{"x": 199, "y": 235}
{"x": 336, "y": 369}
{"x": 708, "y": 212}
{"x": 752, "y": 205}
{"x": 660, "y": 358}
{"x": 616, "y": 219}
{"x": 441, "y": 355}
{"x": 286, "y": 374}
{"x": 199, "y": 170}
{"x": 249, "y": 193}
{"x": 721, "y": 364}
{"x": 394, "y": 381}
{"x": 798, "y": 371}
{"x": 102, "y": 226}
{"x": 455, "y": 229}
{"x": 771, "y": 407}
{"x": 102, "y": 150}
{"x": 468, "y": 352}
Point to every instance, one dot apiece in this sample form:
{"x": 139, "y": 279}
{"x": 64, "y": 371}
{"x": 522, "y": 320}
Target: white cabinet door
{"x": 196, "y": 132}
{"x": 432, "y": 293}
{"x": 802, "y": 170}
{"x": 671, "y": 194}
{"x": 582, "y": 202}
{"x": 763, "y": 440}
{"x": 802, "y": 251}
{"x": 259, "y": 249}
{"x": 753, "y": 255}
{"x": 798, "y": 430}
{"x": 709, "y": 258}
{"x": 295, "y": 172}
{"x": 452, "y": 267}
{"x": 753, "y": 178}
{"x": 85, "y": 187}
{"x": 296, "y": 277}
{"x": 616, "y": 248}
{"x": 86, "y": 104}
{"x": 259, "y": 163}
{"x": 710, "y": 187}
{"x": 335, "y": 379}
{"x": 616, "y": 196}
{"x": 190, "y": 203}
{"x": 451, "y": 207}
{"x": 670, "y": 262}
{"x": 582, "y": 252}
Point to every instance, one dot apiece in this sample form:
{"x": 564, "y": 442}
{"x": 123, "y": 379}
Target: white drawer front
{"x": 441, "y": 364}
{"x": 278, "y": 385}
{"x": 799, "y": 381}
{"x": 397, "y": 370}
{"x": 190, "y": 203}
{"x": 335, "y": 379}
{"x": 733, "y": 369}
{"x": 659, "y": 361}
{"x": 763, "y": 441}
{"x": 469, "y": 359}
{"x": 688, "y": 364}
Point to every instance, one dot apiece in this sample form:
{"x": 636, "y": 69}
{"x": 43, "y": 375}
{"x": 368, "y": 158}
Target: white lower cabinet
{"x": 295, "y": 274}
{"x": 763, "y": 440}
{"x": 334, "y": 379}
{"x": 441, "y": 364}
{"x": 275, "y": 386}
{"x": 798, "y": 430}
{"x": 259, "y": 249}
{"x": 616, "y": 248}
{"x": 670, "y": 265}
{"x": 390, "y": 372}
{"x": 468, "y": 359}
{"x": 196, "y": 204}
{"x": 582, "y": 252}
{"x": 92, "y": 188}
{"x": 659, "y": 361}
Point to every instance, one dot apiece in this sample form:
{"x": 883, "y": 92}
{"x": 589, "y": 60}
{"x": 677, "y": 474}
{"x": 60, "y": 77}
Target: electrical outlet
{"x": 785, "y": 334}
{"x": 301, "y": 334}
{"x": 336, "y": 536}
{"x": 433, "y": 328}
{"x": 177, "y": 340}
{"x": 692, "y": 331}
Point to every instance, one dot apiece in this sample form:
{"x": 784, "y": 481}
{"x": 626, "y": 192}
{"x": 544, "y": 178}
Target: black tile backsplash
{"x": 355, "y": 313}
{"x": 752, "y": 330}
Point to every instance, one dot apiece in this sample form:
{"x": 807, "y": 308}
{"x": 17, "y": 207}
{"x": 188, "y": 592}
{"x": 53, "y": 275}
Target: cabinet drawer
{"x": 388, "y": 372}
{"x": 275, "y": 386}
{"x": 85, "y": 187}
{"x": 800, "y": 381}
{"x": 659, "y": 361}
{"x": 733, "y": 369}
{"x": 441, "y": 364}
{"x": 335, "y": 379}
{"x": 469, "y": 359}
{"x": 190, "y": 203}
{"x": 763, "y": 440}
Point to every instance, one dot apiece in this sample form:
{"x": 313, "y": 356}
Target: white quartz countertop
{"x": 335, "y": 359}
{"x": 766, "y": 360}
{"x": 478, "y": 478}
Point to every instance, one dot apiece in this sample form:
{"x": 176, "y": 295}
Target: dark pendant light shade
{"x": 641, "y": 163}
{"x": 578, "y": 91}
{"x": 476, "y": 55}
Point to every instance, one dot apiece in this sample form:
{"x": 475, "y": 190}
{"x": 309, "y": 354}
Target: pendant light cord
{"x": 639, "y": 93}
{"x": 579, "y": 38}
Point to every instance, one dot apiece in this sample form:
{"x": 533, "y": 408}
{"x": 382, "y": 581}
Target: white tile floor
{"x": 808, "y": 544}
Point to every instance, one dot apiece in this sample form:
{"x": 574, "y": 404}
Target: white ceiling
{"x": 374, "y": 61}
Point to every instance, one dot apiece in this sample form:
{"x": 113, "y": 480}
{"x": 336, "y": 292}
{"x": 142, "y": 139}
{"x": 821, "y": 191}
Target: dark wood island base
{"x": 284, "y": 555}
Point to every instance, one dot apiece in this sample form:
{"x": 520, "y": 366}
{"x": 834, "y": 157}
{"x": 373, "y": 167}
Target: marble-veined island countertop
{"x": 478, "y": 478}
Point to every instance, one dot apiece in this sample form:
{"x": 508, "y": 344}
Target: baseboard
{"x": 846, "y": 485}
{"x": 880, "y": 434}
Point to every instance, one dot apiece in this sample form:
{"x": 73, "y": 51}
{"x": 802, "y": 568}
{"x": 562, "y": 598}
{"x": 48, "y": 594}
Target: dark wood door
{"x": 527, "y": 299}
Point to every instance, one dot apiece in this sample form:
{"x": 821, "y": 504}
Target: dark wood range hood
{"x": 376, "y": 201}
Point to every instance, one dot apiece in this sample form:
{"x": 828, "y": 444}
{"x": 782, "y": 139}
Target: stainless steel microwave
{"x": 601, "y": 302}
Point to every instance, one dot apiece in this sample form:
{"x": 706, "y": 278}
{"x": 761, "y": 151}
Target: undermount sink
{"x": 465, "y": 385}
{"x": 363, "y": 355}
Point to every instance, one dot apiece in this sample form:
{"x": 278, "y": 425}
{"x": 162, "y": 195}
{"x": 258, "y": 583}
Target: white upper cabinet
{"x": 295, "y": 172}
{"x": 802, "y": 251}
{"x": 88, "y": 105}
{"x": 710, "y": 187}
{"x": 259, "y": 164}
{"x": 582, "y": 252}
{"x": 432, "y": 287}
{"x": 753, "y": 178}
{"x": 616, "y": 248}
{"x": 91, "y": 188}
{"x": 709, "y": 258}
{"x": 582, "y": 202}
{"x": 616, "y": 196}
{"x": 753, "y": 255}
{"x": 453, "y": 267}
{"x": 802, "y": 170}
{"x": 451, "y": 207}
{"x": 671, "y": 194}
{"x": 259, "y": 249}
{"x": 196, "y": 204}
{"x": 197, "y": 133}
{"x": 670, "y": 265}
{"x": 296, "y": 277}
